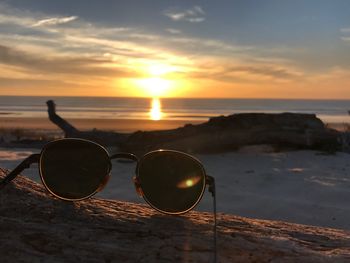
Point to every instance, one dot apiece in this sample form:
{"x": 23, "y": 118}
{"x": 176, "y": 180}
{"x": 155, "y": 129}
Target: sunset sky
{"x": 168, "y": 48}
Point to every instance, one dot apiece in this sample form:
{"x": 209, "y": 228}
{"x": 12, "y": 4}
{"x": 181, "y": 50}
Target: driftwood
{"x": 102, "y": 137}
{"x": 35, "y": 227}
{"x": 224, "y": 133}
{"x": 227, "y": 133}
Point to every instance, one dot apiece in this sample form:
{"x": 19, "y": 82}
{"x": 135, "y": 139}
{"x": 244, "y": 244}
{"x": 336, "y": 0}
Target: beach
{"x": 39, "y": 124}
{"x": 305, "y": 187}
{"x": 119, "y": 125}
{"x": 256, "y": 91}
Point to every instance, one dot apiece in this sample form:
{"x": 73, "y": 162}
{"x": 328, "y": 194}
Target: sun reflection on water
{"x": 156, "y": 110}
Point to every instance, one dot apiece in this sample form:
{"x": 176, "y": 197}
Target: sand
{"x": 304, "y": 187}
{"x": 120, "y": 125}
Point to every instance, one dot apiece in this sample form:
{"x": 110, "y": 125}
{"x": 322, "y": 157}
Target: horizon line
{"x": 166, "y": 98}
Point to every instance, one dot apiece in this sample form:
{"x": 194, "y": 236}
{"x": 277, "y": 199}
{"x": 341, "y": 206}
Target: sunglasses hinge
{"x": 211, "y": 182}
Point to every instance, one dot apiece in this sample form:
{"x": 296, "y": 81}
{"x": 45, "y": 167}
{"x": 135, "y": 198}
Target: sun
{"x": 157, "y": 84}
{"x": 157, "y": 80}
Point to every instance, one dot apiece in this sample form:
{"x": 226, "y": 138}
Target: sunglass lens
{"x": 74, "y": 169}
{"x": 172, "y": 182}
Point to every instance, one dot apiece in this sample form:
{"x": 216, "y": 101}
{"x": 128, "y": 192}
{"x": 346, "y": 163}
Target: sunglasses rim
{"x": 183, "y": 154}
{"x": 46, "y": 146}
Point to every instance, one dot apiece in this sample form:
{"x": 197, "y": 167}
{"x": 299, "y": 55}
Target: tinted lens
{"x": 172, "y": 182}
{"x": 74, "y": 169}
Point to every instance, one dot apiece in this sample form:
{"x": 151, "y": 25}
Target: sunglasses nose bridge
{"x": 104, "y": 182}
{"x": 137, "y": 185}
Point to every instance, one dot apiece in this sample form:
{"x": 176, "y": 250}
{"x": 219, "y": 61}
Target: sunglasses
{"x": 171, "y": 182}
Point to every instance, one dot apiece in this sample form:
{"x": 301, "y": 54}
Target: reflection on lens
{"x": 191, "y": 181}
{"x": 171, "y": 181}
{"x": 74, "y": 169}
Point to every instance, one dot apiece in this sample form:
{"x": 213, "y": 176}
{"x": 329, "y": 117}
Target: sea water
{"x": 330, "y": 111}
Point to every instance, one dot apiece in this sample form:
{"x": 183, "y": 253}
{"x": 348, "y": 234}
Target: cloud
{"x": 196, "y": 19}
{"x": 54, "y": 65}
{"x": 194, "y": 15}
{"x": 125, "y": 44}
{"x": 84, "y": 53}
{"x": 55, "y": 21}
{"x": 267, "y": 71}
{"x": 173, "y": 31}
{"x": 230, "y": 70}
{"x": 345, "y": 34}
{"x": 28, "y": 83}
{"x": 345, "y": 30}
{"x": 199, "y": 10}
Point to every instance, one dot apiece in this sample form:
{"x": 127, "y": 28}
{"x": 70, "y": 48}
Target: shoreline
{"x": 117, "y": 125}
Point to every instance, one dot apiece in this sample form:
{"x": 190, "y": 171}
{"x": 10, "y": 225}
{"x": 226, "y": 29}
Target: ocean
{"x": 330, "y": 111}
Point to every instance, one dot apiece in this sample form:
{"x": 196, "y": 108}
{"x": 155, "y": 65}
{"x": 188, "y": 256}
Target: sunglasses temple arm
{"x": 212, "y": 190}
{"x": 34, "y": 158}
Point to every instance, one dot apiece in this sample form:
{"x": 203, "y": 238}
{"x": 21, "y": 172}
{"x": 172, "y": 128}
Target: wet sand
{"x": 119, "y": 125}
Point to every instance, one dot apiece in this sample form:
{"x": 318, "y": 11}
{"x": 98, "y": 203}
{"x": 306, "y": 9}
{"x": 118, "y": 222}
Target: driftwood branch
{"x": 35, "y": 227}
{"x": 102, "y": 137}
{"x": 68, "y": 128}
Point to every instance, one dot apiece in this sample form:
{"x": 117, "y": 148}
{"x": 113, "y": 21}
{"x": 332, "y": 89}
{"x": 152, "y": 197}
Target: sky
{"x": 167, "y": 48}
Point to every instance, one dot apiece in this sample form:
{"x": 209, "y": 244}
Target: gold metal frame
{"x": 138, "y": 185}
